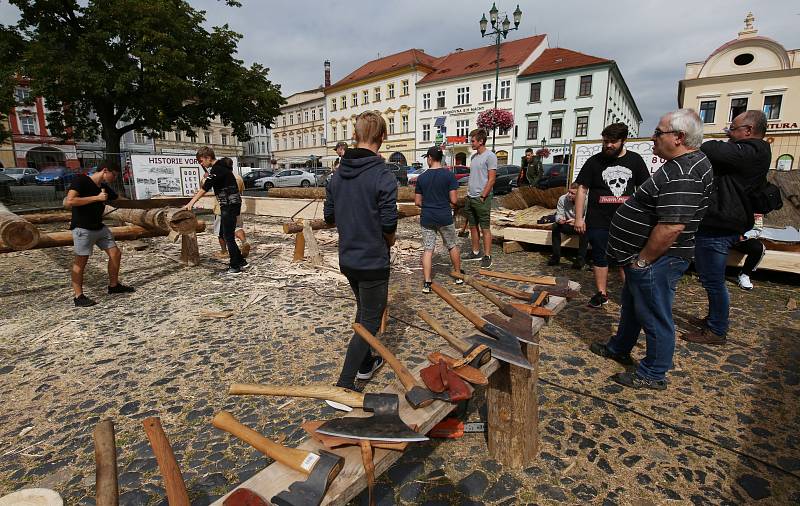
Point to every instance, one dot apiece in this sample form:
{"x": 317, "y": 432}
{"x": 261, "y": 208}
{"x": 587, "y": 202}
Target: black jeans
{"x": 371, "y": 299}
{"x": 228, "y": 215}
{"x": 753, "y": 250}
{"x": 569, "y": 230}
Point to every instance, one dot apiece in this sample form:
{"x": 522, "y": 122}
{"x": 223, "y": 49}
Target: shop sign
{"x": 782, "y": 126}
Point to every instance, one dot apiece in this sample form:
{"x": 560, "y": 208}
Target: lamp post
{"x": 499, "y": 31}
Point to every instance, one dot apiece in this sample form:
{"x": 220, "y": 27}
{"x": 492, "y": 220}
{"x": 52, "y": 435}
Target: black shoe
{"x": 426, "y": 287}
{"x": 701, "y": 323}
{"x": 366, "y": 372}
{"x": 486, "y": 262}
{"x": 633, "y": 380}
{"x": 598, "y": 300}
{"x": 243, "y": 265}
{"x": 231, "y": 271}
{"x": 120, "y": 288}
{"x": 603, "y": 351}
{"x": 554, "y": 260}
{"x": 577, "y": 265}
{"x": 351, "y": 386}
{"x": 83, "y": 301}
{"x": 471, "y": 256}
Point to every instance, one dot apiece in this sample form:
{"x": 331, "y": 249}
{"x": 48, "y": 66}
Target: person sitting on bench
{"x": 565, "y": 221}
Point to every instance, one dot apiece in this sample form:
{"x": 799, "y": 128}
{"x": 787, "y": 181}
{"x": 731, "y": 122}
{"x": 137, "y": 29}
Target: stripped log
{"x": 403, "y": 211}
{"x": 404, "y": 193}
{"x": 40, "y": 218}
{"x": 15, "y": 232}
{"x": 182, "y": 221}
{"x": 105, "y": 456}
{"x": 148, "y": 218}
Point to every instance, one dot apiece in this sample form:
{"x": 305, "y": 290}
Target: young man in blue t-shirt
{"x": 437, "y": 190}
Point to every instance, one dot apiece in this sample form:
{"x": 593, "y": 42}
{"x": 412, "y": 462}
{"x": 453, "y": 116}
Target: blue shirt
{"x": 435, "y": 185}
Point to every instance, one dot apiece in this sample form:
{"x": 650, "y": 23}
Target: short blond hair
{"x": 370, "y": 128}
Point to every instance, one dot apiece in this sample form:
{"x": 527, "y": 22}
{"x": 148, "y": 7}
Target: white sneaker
{"x": 744, "y": 282}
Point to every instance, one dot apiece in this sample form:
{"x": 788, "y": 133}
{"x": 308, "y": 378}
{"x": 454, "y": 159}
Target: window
{"x": 22, "y": 95}
{"x": 585, "y": 87}
{"x": 533, "y": 129}
{"x": 582, "y": 126}
{"x": 738, "y": 106}
{"x": 305, "y": 116}
{"x": 291, "y": 119}
{"x": 536, "y": 92}
{"x": 404, "y": 122}
{"x": 283, "y": 120}
{"x": 708, "y": 109}
{"x": 333, "y": 105}
{"x": 390, "y": 90}
{"x": 462, "y": 127}
{"x": 426, "y": 132}
{"x": 426, "y": 101}
{"x": 333, "y": 131}
{"x": 138, "y": 138}
{"x": 291, "y": 142}
{"x": 772, "y": 106}
{"x": 377, "y": 94}
{"x": 313, "y": 114}
{"x": 502, "y": 131}
{"x": 224, "y": 139}
{"x": 354, "y": 100}
{"x": 364, "y": 97}
{"x": 391, "y": 125}
{"x": 505, "y": 89}
{"x": 28, "y": 125}
{"x": 342, "y": 102}
{"x": 404, "y": 84}
{"x": 344, "y": 131}
{"x": 313, "y": 139}
{"x": 440, "y": 95}
{"x": 462, "y": 96}
{"x": 285, "y": 143}
{"x": 178, "y": 136}
{"x": 555, "y": 128}
{"x": 559, "y": 88}
{"x": 486, "y": 92}
{"x": 207, "y": 137}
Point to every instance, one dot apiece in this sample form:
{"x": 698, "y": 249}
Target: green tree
{"x": 107, "y": 67}
{"x": 11, "y": 46}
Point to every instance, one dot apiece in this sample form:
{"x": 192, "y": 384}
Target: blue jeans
{"x": 647, "y": 298}
{"x": 710, "y": 259}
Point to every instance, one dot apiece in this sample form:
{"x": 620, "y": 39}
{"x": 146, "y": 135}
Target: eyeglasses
{"x": 658, "y": 133}
{"x": 732, "y": 128}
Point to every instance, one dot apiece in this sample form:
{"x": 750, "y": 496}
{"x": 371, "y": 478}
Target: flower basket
{"x": 496, "y": 118}
{"x": 543, "y": 152}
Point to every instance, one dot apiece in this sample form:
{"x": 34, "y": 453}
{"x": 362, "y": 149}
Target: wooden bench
{"x": 512, "y": 419}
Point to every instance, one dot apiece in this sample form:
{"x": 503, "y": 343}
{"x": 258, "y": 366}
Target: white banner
{"x": 171, "y": 175}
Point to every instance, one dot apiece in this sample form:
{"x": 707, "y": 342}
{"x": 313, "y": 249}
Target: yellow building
{"x": 7, "y": 148}
{"x": 749, "y": 72}
{"x": 217, "y": 135}
{"x": 298, "y": 133}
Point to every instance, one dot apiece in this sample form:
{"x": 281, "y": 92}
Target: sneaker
{"x": 705, "y": 336}
{"x": 578, "y": 265}
{"x": 603, "y": 351}
{"x": 243, "y": 265}
{"x": 744, "y": 282}
{"x": 245, "y": 249}
{"x": 83, "y": 301}
{"x": 460, "y": 281}
{"x": 554, "y": 260}
{"x": 120, "y": 288}
{"x": 426, "y": 287}
{"x": 365, "y": 373}
{"x": 633, "y": 380}
{"x": 486, "y": 262}
{"x": 598, "y": 300}
{"x": 231, "y": 271}
{"x": 471, "y": 256}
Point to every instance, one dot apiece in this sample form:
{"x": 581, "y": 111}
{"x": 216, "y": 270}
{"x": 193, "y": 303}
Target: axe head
{"x": 504, "y": 350}
{"x": 519, "y": 326}
{"x": 312, "y": 490}
{"x": 419, "y": 397}
{"x": 384, "y": 425}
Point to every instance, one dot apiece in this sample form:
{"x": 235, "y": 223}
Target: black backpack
{"x": 766, "y": 198}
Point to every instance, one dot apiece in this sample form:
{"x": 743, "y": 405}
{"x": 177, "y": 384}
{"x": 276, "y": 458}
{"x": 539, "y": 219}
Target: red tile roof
{"x": 560, "y": 59}
{"x": 387, "y": 64}
{"x": 482, "y": 59}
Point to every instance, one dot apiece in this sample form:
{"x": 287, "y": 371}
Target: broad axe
{"x": 505, "y": 345}
{"x": 385, "y": 425}
{"x": 520, "y": 314}
{"x": 559, "y": 286}
{"x": 321, "y": 468}
{"x": 535, "y": 300}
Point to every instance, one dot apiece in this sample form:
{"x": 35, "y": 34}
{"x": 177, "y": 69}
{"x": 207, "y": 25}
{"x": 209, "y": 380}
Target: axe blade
{"x": 312, "y": 490}
{"x": 418, "y": 396}
{"x": 509, "y": 352}
{"x": 384, "y": 425}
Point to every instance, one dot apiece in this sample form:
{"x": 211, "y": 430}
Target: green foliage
{"x": 11, "y": 46}
{"x": 107, "y": 67}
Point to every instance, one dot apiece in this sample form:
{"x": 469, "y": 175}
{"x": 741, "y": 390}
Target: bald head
{"x": 757, "y": 121}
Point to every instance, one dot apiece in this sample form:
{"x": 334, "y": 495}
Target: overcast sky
{"x": 650, "y": 40}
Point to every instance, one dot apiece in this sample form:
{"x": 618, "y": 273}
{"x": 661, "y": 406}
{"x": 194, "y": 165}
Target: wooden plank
{"x": 307, "y": 209}
{"x": 352, "y": 480}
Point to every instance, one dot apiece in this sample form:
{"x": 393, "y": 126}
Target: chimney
{"x": 327, "y": 73}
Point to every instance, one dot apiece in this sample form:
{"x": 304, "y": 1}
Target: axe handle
{"x": 105, "y": 456}
{"x": 405, "y": 377}
{"x": 458, "y": 306}
{"x": 170, "y": 472}
{"x": 338, "y": 394}
{"x": 517, "y": 294}
{"x": 486, "y": 293}
{"x": 290, "y": 457}
{"x": 455, "y": 342}
{"x": 540, "y": 299}
{"x": 542, "y": 280}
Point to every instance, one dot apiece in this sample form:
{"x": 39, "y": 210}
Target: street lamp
{"x": 499, "y": 31}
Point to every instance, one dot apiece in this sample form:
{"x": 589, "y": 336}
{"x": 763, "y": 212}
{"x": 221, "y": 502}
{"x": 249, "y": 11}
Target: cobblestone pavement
{"x": 62, "y": 370}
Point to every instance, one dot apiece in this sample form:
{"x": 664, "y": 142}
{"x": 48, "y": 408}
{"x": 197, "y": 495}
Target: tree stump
{"x": 313, "y": 248}
{"x": 190, "y": 250}
{"x": 16, "y": 232}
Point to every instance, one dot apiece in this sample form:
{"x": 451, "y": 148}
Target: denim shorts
{"x": 598, "y": 238}
{"x": 84, "y": 240}
{"x": 448, "y": 233}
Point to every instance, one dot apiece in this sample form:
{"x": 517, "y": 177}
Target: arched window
{"x": 502, "y": 157}
{"x": 785, "y": 162}
{"x": 461, "y": 158}
{"x": 398, "y": 157}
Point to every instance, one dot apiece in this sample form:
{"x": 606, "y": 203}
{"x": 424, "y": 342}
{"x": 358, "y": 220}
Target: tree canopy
{"x": 106, "y": 67}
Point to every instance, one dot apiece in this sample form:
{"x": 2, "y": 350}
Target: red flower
{"x": 496, "y": 118}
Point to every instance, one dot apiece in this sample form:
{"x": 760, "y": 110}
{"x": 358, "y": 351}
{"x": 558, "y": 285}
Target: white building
{"x": 298, "y": 133}
{"x": 463, "y": 85}
{"x": 566, "y": 96}
{"x": 258, "y": 150}
{"x": 386, "y": 85}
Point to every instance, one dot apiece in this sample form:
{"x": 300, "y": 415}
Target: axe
{"x": 173, "y": 479}
{"x": 340, "y": 398}
{"x": 537, "y": 290}
{"x": 321, "y": 468}
{"x": 520, "y": 313}
{"x": 534, "y": 300}
{"x": 541, "y": 280}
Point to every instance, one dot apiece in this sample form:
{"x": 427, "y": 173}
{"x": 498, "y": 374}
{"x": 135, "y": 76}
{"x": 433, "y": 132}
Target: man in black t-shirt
{"x": 87, "y": 198}
{"x": 610, "y": 177}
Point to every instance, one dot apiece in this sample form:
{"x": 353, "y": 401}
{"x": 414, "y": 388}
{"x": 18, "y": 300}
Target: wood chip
{"x": 791, "y": 305}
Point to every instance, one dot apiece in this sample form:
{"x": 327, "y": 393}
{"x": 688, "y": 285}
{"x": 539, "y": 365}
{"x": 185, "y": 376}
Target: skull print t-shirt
{"x": 611, "y": 181}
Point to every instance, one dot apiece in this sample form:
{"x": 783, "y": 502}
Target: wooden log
{"x": 313, "y": 248}
{"x": 105, "y": 457}
{"x": 15, "y": 232}
{"x": 299, "y": 247}
{"x": 293, "y": 227}
{"x": 190, "y": 250}
{"x": 182, "y": 221}
{"x": 58, "y": 239}
{"x": 147, "y": 218}
{"x": 39, "y": 218}
{"x": 404, "y": 193}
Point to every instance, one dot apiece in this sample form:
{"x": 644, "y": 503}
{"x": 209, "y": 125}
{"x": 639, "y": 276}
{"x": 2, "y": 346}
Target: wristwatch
{"x": 641, "y": 263}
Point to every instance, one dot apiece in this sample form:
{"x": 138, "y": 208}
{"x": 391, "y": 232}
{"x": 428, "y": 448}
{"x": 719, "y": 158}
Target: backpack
{"x": 766, "y": 198}
{"x": 729, "y": 207}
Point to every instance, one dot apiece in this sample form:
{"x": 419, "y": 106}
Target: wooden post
{"x": 105, "y": 457}
{"x": 313, "y": 248}
{"x": 299, "y": 247}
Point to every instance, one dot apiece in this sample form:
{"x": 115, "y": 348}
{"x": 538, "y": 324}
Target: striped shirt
{"x": 677, "y": 192}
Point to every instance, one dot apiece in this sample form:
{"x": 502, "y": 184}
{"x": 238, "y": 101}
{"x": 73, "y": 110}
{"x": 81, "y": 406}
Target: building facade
{"x": 749, "y": 72}
{"x": 258, "y": 150}
{"x": 462, "y": 85}
{"x": 7, "y": 149}
{"x": 298, "y": 134}
{"x": 387, "y": 85}
{"x": 218, "y": 136}
{"x": 565, "y": 96}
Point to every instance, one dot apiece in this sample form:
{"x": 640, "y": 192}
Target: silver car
{"x": 23, "y": 175}
{"x": 287, "y": 177}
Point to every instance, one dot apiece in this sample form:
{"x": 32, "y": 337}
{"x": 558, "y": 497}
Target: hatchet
{"x": 321, "y": 467}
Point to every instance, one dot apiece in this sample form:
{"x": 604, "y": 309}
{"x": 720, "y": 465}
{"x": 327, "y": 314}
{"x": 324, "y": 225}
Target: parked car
{"x": 61, "y": 177}
{"x": 461, "y": 172}
{"x": 250, "y": 178}
{"x": 505, "y": 175}
{"x": 554, "y": 175}
{"x": 23, "y": 175}
{"x": 287, "y": 177}
{"x": 400, "y": 173}
{"x": 412, "y": 176}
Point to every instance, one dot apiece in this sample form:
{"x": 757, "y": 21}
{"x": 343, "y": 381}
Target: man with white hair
{"x": 652, "y": 236}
